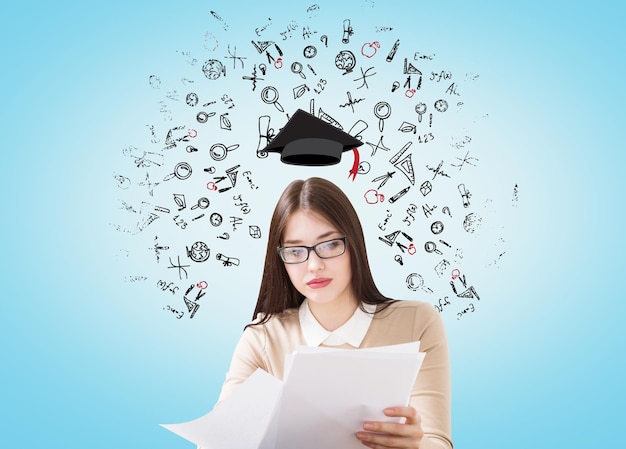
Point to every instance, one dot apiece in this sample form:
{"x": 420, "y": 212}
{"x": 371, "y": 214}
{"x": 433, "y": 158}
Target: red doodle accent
{"x": 355, "y": 166}
{"x": 372, "y": 197}
{"x": 369, "y": 49}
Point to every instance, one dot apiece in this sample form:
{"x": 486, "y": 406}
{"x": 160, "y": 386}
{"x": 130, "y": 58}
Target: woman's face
{"x": 322, "y": 281}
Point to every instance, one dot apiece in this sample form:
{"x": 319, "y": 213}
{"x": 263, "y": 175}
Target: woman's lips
{"x": 319, "y": 282}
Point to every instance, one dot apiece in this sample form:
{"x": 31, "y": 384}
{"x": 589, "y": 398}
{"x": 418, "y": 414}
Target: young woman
{"x": 317, "y": 289}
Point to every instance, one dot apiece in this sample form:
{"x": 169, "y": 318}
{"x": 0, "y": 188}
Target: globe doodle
{"x": 345, "y": 60}
{"x": 213, "y": 69}
{"x": 199, "y": 252}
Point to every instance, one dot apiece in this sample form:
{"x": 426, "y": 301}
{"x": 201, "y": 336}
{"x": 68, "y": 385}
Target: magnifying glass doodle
{"x": 431, "y": 247}
{"x": 415, "y": 281}
{"x": 296, "y": 67}
{"x": 269, "y": 95}
{"x": 182, "y": 171}
{"x": 219, "y": 151}
{"x": 420, "y": 108}
{"x": 382, "y": 110}
{"x": 203, "y": 117}
{"x": 203, "y": 203}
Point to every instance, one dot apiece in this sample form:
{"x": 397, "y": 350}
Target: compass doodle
{"x": 201, "y": 181}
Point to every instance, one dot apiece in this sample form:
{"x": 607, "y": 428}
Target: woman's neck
{"x": 333, "y": 315}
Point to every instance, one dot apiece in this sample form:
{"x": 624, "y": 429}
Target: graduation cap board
{"x": 308, "y": 140}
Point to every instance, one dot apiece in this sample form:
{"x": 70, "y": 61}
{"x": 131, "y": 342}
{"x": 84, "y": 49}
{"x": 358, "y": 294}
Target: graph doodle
{"x": 408, "y": 104}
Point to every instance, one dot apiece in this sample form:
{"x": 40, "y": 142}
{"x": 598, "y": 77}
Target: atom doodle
{"x": 199, "y": 178}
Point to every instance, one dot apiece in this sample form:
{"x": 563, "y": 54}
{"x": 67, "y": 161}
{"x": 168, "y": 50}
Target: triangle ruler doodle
{"x": 191, "y": 306}
{"x": 261, "y": 46}
{"x": 404, "y": 164}
{"x": 410, "y": 69}
{"x": 389, "y": 239}
{"x": 469, "y": 293}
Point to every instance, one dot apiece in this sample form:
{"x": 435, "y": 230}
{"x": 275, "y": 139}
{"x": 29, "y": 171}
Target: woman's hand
{"x": 386, "y": 434}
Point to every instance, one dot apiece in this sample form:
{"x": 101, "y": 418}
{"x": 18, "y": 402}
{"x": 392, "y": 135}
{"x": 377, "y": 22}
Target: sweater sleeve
{"x": 431, "y": 395}
{"x": 247, "y": 357}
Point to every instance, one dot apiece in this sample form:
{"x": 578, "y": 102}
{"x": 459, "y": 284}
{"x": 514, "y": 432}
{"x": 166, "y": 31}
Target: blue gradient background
{"x": 88, "y": 363}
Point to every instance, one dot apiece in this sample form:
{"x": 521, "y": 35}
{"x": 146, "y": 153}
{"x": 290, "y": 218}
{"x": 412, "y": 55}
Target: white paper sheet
{"x": 322, "y": 402}
{"x": 327, "y": 395}
{"x": 239, "y": 422}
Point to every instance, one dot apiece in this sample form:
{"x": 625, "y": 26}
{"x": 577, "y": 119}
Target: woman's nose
{"x": 315, "y": 262}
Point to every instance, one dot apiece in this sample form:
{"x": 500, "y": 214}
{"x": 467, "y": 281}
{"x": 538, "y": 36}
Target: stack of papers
{"x": 323, "y": 401}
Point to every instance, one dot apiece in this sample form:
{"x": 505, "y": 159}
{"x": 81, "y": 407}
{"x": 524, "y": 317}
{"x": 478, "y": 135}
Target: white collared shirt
{"x": 351, "y": 332}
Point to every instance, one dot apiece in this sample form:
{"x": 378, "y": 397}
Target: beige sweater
{"x": 265, "y": 346}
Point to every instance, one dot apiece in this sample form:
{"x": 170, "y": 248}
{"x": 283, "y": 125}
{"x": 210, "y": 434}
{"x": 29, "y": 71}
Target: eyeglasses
{"x": 324, "y": 250}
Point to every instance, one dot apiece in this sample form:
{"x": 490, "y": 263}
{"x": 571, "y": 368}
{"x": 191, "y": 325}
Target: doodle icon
{"x": 270, "y": 95}
{"x": 372, "y": 197}
{"x": 215, "y": 219}
{"x": 182, "y": 170}
{"x": 426, "y": 188}
{"x": 219, "y": 151}
{"x": 472, "y": 223}
{"x": 441, "y": 105}
{"x": 415, "y": 281}
{"x": 199, "y": 252}
{"x": 192, "y": 99}
{"x": 382, "y": 110}
{"x": 369, "y": 49}
{"x": 441, "y": 267}
{"x": 347, "y": 31}
{"x": 465, "y": 195}
{"x": 309, "y": 51}
{"x": 213, "y": 69}
{"x": 345, "y": 60}
{"x": 255, "y": 231}
{"x": 431, "y": 247}
{"x": 436, "y": 227}
{"x": 227, "y": 261}
{"x": 192, "y": 307}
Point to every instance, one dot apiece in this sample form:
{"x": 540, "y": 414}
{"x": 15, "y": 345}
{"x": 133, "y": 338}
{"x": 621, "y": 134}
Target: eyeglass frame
{"x": 312, "y": 248}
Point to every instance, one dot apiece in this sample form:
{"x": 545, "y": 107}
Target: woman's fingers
{"x": 378, "y": 434}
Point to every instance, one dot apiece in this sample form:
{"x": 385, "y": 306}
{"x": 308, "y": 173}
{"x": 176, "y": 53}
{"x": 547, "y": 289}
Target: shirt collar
{"x": 352, "y": 331}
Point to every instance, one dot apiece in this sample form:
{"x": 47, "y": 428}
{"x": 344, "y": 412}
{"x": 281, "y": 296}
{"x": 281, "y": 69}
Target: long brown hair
{"x": 325, "y": 199}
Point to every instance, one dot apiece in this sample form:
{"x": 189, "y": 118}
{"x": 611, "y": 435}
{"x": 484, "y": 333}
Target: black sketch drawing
{"x": 202, "y": 166}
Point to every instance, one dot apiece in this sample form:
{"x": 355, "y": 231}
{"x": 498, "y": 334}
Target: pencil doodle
{"x": 406, "y": 105}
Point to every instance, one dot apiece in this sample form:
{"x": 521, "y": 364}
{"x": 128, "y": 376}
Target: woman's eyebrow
{"x": 319, "y": 237}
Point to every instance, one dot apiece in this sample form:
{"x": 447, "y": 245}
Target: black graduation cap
{"x": 308, "y": 140}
